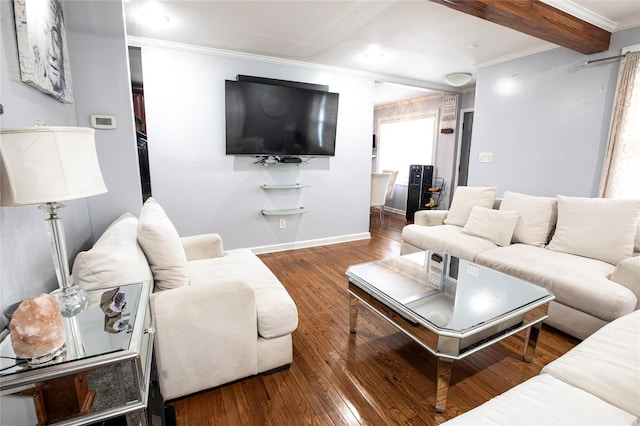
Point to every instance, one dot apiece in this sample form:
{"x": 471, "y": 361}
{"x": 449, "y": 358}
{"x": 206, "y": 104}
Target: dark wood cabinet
{"x": 138, "y": 109}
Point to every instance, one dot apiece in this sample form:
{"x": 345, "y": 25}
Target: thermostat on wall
{"x": 99, "y": 121}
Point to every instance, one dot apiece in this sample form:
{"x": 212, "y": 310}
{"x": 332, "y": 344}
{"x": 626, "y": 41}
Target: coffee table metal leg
{"x": 445, "y": 367}
{"x": 353, "y": 313}
{"x": 531, "y": 342}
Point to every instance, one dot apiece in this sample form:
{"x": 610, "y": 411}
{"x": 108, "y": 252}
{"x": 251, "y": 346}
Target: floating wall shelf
{"x": 284, "y": 212}
{"x": 285, "y": 186}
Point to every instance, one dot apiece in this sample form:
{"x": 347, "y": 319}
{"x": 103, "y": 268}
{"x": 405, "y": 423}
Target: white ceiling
{"x": 420, "y": 41}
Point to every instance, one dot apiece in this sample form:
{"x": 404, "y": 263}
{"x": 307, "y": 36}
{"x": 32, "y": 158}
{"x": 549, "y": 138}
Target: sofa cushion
{"x": 493, "y": 225}
{"x": 465, "y": 198}
{"x": 161, "y": 244}
{"x": 544, "y": 400}
{"x": 115, "y": 259}
{"x": 599, "y": 228}
{"x": 537, "y": 217}
{"x": 277, "y": 313}
{"x": 447, "y": 238}
{"x": 627, "y": 273}
{"x": 606, "y": 364}
{"x": 579, "y": 282}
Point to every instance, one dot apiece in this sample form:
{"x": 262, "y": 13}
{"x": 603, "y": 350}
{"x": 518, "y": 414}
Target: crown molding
{"x": 585, "y": 14}
{"x": 141, "y": 42}
{"x": 517, "y": 55}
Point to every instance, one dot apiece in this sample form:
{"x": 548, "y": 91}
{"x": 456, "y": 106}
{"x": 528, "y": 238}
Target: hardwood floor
{"x": 377, "y": 376}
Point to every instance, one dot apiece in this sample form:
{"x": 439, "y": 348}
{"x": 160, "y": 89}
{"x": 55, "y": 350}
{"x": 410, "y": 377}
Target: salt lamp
{"x": 37, "y": 332}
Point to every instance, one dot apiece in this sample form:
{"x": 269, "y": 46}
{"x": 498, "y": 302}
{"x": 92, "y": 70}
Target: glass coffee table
{"x": 450, "y": 306}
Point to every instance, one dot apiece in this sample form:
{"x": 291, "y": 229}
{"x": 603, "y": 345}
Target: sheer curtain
{"x": 621, "y": 171}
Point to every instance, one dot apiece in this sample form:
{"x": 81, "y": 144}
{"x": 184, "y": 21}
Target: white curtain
{"x": 621, "y": 171}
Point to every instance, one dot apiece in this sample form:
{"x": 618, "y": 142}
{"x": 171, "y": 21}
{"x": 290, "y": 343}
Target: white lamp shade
{"x": 47, "y": 164}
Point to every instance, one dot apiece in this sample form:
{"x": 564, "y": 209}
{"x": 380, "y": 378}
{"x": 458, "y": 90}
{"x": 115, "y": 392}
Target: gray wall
{"x": 546, "y": 119}
{"x": 468, "y": 99}
{"x": 101, "y": 78}
{"x": 98, "y": 66}
{"x": 203, "y": 190}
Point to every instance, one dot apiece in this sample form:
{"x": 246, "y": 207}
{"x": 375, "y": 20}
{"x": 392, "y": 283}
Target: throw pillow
{"x": 115, "y": 259}
{"x": 537, "y": 217}
{"x": 465, "y": 198}
{"x": 494, "y": 225}
{"x": 598, "y": 228}
{"x": 161, "y": 244}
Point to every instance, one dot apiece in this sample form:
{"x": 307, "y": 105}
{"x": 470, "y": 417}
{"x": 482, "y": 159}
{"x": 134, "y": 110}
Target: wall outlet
{"x": 486, "y": 157}
{"x": 283, "y": 223}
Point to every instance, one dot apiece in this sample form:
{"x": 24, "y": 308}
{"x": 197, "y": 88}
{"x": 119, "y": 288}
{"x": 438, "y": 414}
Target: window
{"x": 406, "y": 142}
{"x": 621, "y": 173}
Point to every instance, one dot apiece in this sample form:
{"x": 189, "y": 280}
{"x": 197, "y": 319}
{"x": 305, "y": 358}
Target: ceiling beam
{"x": 537, "y": 19}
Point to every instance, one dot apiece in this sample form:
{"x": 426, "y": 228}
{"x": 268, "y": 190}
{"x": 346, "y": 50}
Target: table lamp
{"x": 45, "y": 165}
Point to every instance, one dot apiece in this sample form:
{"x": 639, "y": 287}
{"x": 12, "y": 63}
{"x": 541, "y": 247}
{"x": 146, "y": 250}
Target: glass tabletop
{"x": 105, "y": 326}
{"x": 446, "y": 293}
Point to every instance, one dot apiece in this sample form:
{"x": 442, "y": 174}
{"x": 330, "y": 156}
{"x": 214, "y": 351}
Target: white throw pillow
{"x": 465, "y": 198}
{"x": 598, "y": 228}
{"x": 537, "y": 217}
{"x": 115, "y": 259}
{"x": 494, "y": 225}
{"x": 161, "y": 244}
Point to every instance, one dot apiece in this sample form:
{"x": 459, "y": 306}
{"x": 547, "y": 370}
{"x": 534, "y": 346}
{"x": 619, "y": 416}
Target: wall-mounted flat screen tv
{"x": 272, "y": 119}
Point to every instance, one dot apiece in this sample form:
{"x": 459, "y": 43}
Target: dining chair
{"x": 379, "y": 186}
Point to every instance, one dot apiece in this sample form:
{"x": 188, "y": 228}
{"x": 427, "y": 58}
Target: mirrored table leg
{"x": 445, "y": 367}
{"x": 353, "y": 313}
{"x": 531, "y": 342}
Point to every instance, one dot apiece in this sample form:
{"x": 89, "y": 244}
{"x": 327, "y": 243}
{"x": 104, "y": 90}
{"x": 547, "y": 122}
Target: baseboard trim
{"x": 310, "y": 243}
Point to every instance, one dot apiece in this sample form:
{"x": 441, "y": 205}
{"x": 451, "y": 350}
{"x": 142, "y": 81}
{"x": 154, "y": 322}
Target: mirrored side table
{"x": 104, "y": 373}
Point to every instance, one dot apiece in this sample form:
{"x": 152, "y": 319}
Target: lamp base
{"x": 51, "y": 358}
{"x": 73, "y": 300}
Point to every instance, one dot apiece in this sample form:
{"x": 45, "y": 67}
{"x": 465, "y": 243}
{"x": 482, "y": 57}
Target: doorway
{"x": 137, "y": 95}
{"x": 465, "y": 148}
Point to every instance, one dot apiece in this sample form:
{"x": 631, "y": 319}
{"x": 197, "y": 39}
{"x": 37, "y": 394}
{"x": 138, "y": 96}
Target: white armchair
{"x": 219, "y": 315}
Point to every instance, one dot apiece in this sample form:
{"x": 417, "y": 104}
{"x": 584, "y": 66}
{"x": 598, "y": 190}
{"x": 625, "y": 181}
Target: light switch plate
{"x": 486, "y": 157}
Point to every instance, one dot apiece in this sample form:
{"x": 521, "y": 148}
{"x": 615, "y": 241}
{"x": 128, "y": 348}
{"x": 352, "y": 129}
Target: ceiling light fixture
{"x": 154, "y": 18}
{"x": 374, "y": 54}
{"x": 458, "y": 78}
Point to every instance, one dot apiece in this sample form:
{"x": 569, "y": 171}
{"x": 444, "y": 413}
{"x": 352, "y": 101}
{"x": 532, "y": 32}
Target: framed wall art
{"x": 42, "y": 47}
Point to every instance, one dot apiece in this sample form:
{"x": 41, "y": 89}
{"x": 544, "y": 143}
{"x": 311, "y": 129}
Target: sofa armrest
{"x": 430, "y": 217}
{"x": 627, "y": 273}
{"x": 206, "y": 335}
{"x": 203, "y": 246}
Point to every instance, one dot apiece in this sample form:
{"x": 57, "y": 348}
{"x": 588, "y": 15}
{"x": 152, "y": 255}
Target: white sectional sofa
{"x": 585, "y": 250}
{"x": 595, "y": 383}
{"x": 219, "y": 315}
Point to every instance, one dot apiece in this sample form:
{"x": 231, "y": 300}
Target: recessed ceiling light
{"x": 457, "y": 78}
{"x": 374, "y": 55}
{"x": 154, "y": 18}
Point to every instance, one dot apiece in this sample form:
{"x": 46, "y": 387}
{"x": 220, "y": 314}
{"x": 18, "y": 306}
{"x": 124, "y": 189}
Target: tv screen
{"x": 268, "y": 119}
